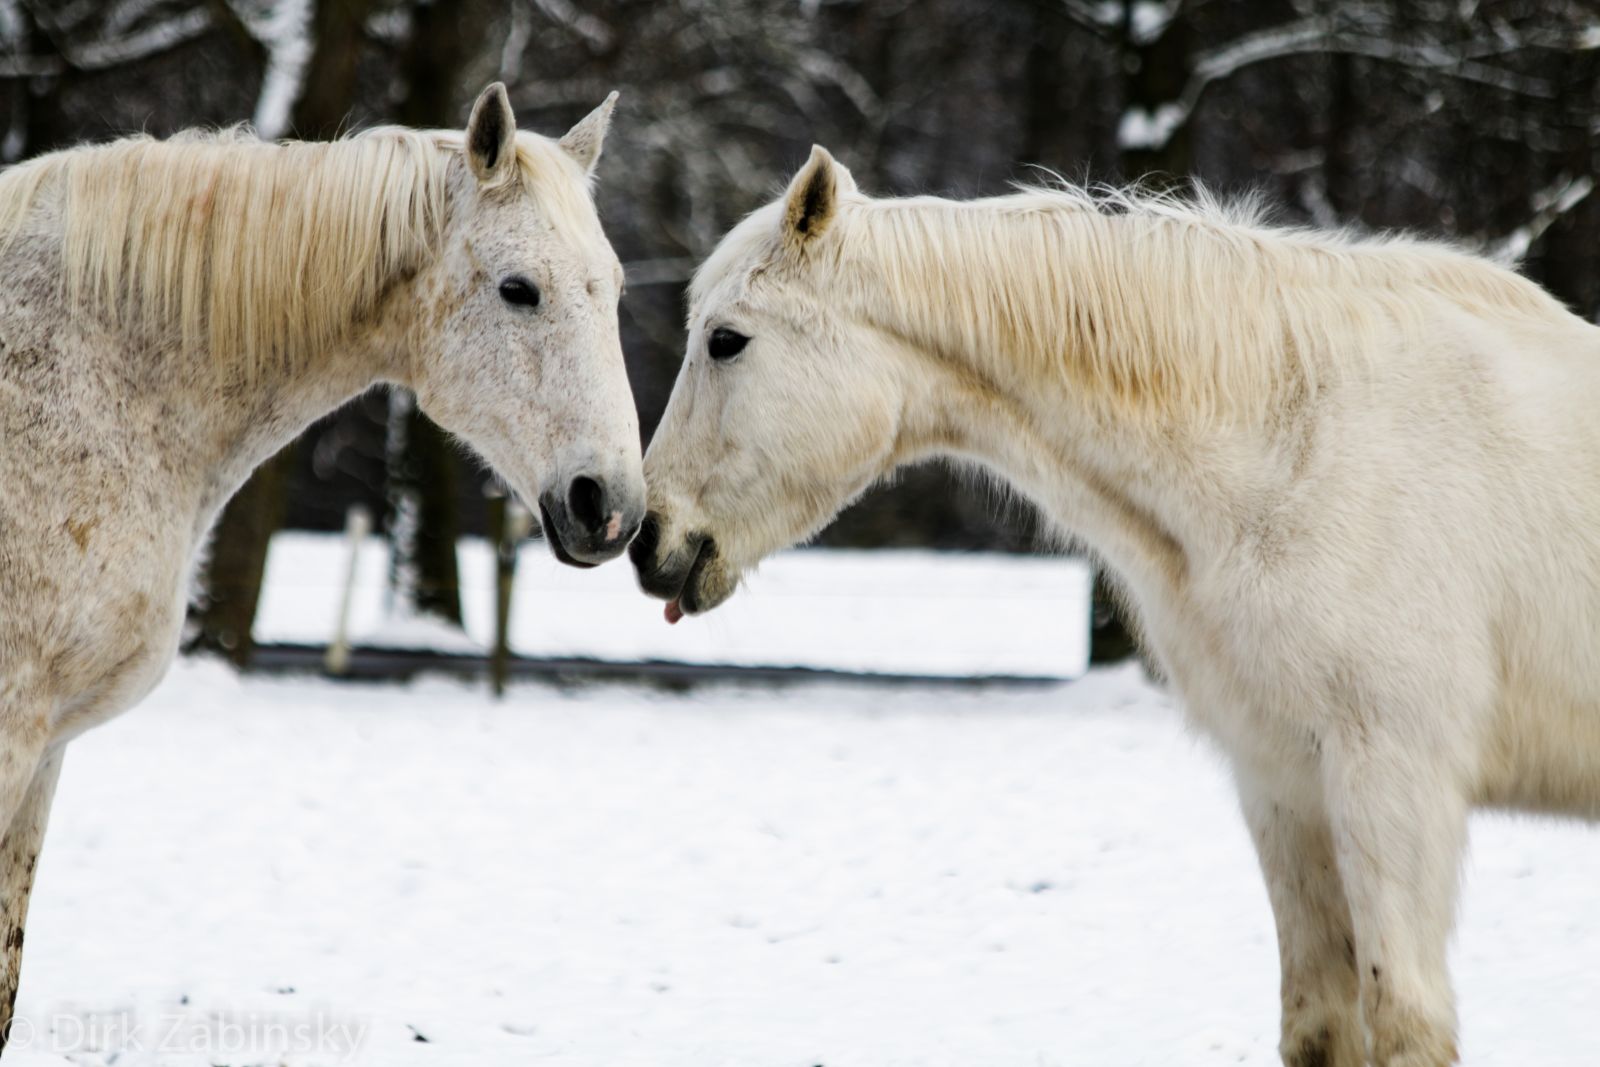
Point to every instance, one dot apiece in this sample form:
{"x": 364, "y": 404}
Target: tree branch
{"x": 102, "y": 55}
{"x": 1549, "y": 204}
{"x": 1311, "y": 36}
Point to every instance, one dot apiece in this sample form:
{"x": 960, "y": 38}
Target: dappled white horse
{"x": 1352, "y": 486}
{"x": 172, "y": 313}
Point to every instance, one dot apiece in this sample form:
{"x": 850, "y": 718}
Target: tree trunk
{"x": 424, "y": 475}
{"x": 232, "y": 585}
{"x": 41, "y": 122}
{"x": 327, "y": 87}
{"x": 1339, "y": 169}
{"x": 1156, "y": 69}
{"x": 423, "y": 521}
{"x": 1047, "y": 92}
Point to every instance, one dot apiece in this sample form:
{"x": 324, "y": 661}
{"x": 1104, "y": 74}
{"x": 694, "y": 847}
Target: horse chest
{"x": 1232, "y": 662}
{"x": 109, "y": 634}
{"x": 105, "y": 678}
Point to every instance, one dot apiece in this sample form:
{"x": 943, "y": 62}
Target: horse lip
{"x": 551, "y": 535}
{"x": 642, "y": 549}
{"x": 688, "y": 596}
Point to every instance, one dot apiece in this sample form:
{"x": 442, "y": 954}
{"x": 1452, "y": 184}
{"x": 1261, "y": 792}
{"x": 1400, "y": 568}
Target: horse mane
{"x": 261, "y": 253}
{"x": 1156, "y": 302}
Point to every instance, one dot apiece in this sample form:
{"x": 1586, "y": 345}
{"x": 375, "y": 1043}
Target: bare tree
{"x": 425, "y": 476}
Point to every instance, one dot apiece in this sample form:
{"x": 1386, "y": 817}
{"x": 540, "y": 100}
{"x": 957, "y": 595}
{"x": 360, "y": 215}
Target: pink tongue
{"x": 673, "y": 612}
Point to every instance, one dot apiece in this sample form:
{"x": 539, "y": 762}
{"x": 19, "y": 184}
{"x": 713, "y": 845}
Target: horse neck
{"x": 1029, "y": 442}
{"x": 247, "y": 421}
{"x": 1152, "y": 495}
{"x": 288, "y": 400}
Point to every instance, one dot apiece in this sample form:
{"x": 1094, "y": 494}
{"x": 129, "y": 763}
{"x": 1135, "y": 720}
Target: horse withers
{"x": 174, "y": 312}
{"x": 1352, "y": 487}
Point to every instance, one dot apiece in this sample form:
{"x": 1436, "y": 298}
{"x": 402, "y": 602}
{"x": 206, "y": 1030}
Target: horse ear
{"x": 812, "y": 199}
{"x": 583, "y": 141}
{"x": 844, "y": 179}
{"x": 492, "y": 137}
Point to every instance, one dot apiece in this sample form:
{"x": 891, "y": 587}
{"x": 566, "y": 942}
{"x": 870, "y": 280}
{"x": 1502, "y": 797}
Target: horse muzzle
{"x": 587, "y": 523}
{"x": 689, "y": 575}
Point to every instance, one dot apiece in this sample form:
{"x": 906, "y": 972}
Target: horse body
{"x": 114, "y": 469}
{"x": 1353, "y": 489}
{"x": 175, "y": 312}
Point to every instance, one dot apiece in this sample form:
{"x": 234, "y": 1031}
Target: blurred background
{"x": 1466, "y": 119}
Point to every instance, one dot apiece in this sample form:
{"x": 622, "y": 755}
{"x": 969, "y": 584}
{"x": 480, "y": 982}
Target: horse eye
{"x": 726, "y": 343}
{"x": 519, "y": 292}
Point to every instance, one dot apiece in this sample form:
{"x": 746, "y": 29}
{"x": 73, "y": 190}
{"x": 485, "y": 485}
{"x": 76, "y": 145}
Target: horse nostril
{"x": 643, "y": 549}
{"x": 586, "y": 500}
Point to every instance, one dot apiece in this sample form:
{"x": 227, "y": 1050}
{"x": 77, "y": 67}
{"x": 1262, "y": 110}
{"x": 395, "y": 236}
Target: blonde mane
{"x": 260, "y": 253}
{"x": 1153, "y": 302}
{"x": 1164, "y": 303}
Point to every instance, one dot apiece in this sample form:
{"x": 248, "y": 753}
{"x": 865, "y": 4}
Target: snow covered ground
{"x": 605, "y": 877}
{"x": 907, "y": 612}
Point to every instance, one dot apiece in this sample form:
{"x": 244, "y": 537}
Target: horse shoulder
{"x": 93, "y": 542}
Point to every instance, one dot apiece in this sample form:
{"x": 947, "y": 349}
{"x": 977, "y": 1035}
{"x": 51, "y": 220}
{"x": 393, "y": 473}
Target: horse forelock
{"x": 745, "y": 248}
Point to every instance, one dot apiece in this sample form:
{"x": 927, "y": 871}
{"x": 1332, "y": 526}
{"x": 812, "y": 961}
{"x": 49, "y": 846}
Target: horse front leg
{"x": 1321, "y": 1021}
{"x": 19, "y": 855}
{"x": 1398, "y": 821}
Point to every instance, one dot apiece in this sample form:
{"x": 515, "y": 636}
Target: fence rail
{"x": 391, "y": 664}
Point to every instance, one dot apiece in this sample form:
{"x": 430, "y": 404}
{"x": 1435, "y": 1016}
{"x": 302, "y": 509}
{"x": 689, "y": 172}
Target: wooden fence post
{"x": 509, "y": 523}
{"x": 357, "y": 524}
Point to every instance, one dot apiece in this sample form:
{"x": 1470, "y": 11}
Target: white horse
{"x": 172, "y": 313}
{"x": 1352, "y": 486}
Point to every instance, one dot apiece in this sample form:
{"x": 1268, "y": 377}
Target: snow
{"x": 947, "y": 615}
{"x": 1142, "y": 129}
{"x": 286, "y": 32}
{"x": 410, "y": 630}
{"x": 1549, "y": 204}
{"x": 607, "y": 877}
{"x": 1148, "y": 20}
